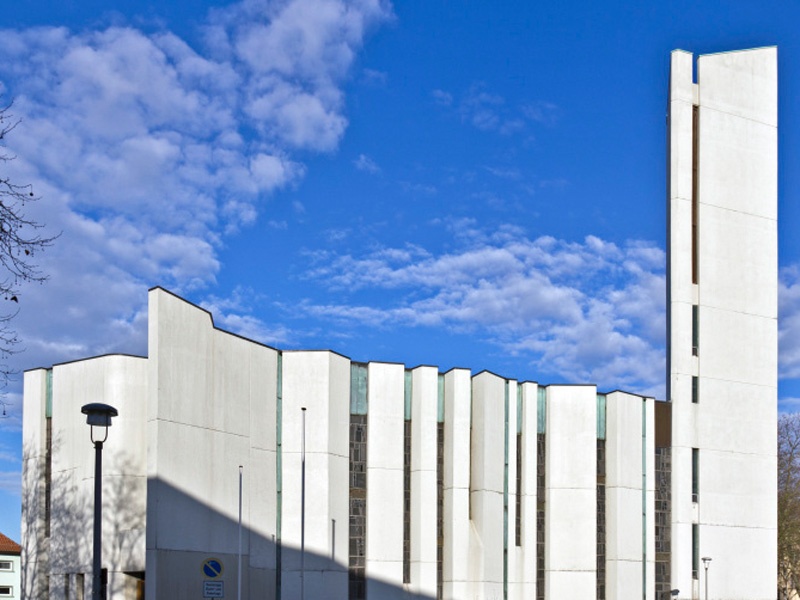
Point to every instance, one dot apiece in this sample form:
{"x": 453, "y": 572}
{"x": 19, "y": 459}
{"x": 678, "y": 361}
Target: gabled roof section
{"x": 9, "y": 546}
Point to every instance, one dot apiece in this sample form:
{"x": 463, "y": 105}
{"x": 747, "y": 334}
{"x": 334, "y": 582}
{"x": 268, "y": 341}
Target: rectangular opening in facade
{"x": 695, "y": 389}
{"x": 357, "y": 561}
{"x": 518, "y": 501}
{"x": 357, "y": 585}
{"x": 540, "y": 514}
{"x": 695, "y": 162}
{"x": 48, "y": 474}
{"x": 695, "y": 551}
{"x": 695, "y": 474}
{"x": 439, "y": 510}
{"x": 695, "y": 329}
{"x": 663, "y": 497}
{"x": 601, "y": 519}
{"x": 407, "y": 502}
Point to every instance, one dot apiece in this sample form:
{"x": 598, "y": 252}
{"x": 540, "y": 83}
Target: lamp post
{"x": 706, "y": 562}
{"x": 98, "y": 415}
{"x": 672, "y": 593}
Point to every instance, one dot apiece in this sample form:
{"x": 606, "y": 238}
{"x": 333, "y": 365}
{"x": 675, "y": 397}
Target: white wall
{"x": 734, "y": 423}
{"x": 12, "y": 577}
{"x": 571, "y": 494}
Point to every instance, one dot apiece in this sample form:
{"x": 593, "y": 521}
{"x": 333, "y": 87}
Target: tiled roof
{"x": 9, "y": 546}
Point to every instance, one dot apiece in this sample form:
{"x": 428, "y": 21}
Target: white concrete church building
{"x": 455, "y": 485}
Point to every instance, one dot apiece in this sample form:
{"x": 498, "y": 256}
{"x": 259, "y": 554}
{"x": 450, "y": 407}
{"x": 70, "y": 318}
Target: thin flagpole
{"x": 239, "y": 568}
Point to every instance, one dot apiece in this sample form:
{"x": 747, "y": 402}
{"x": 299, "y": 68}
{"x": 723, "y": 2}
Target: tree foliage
{"x": 788, "y": 505}
{"x": 20, "y": 241}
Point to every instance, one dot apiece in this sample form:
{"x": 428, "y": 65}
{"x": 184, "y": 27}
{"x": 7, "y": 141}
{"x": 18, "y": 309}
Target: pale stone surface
{"x": 733, "y": 426}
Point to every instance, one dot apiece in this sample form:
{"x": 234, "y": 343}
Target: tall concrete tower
{"x": 723, "y": 335}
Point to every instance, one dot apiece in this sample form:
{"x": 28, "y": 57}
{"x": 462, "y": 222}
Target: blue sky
{"x": 461, "y": 184}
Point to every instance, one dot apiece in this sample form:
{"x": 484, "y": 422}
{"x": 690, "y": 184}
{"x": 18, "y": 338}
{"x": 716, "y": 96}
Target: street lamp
{"x": 706, "y": 562}
{"x": 672, "y": 593}
{"x": 98, "y": 415}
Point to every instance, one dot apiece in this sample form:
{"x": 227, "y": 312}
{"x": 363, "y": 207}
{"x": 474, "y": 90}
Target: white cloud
{"x": 365, "y": 163}
{"x": 147, "y": 152}
{"x": 491, "y": 112}
{"x": 589, "y": 311}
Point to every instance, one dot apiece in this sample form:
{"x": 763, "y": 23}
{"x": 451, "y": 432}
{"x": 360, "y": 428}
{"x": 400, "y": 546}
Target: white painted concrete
{"x": 385, "y": 424}
{"x": 733, "y": 425}
{"x": 571, "y": 497}
{"x": 423, "y": 480}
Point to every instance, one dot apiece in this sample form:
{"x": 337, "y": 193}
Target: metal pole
{"x": 98, "y": 506}
{"x": 239, "y": 568}
{"x": 706, "y": 565}
{"x": 303, "y": 510}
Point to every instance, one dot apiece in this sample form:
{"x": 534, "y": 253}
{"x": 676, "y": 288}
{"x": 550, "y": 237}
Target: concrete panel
{"x": 571, "y": 496}
{"x": 729, "y": 412}
{"x": 742, "y": 83}
{"x": 734, "y": 242}
{"x": 385, "y": 418}
{"x": 120, "y": 381}
{"x": 486, "y": 489}
{"x": 738, "y": 158}
{"x": 320, "y": 382}
{"x": 624, "y": 495}
{"x": 744, "y": 562}
{"x": 729, "y": 349}
{"x": 457, "y": 456}
{"x": 423, "y": 480}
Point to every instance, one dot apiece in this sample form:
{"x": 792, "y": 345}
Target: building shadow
{"x": 180, "y": 547}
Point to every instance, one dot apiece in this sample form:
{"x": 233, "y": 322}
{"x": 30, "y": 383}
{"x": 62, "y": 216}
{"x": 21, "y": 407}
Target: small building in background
{"x": 10, "y": 569}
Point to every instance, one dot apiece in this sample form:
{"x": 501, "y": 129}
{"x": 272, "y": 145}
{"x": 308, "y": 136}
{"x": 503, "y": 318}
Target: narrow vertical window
{"x": 695, "y": 389}
{"x": 48, "y": 474}
{"x": 695, "y": 550}
{"x": 407, "y": 503}
{"x": 695, "y": 475}
{"x": 408, "y": 387}
{"x": 278, "y": 479}
{"x": 540, "y": 516}
{"x": 358, "y": 507}
{"x": 695, "y": 328}
{"x": 440, "y": 510}
{"x": 518, "y": 501}
{"x": 80, "y": 586}
{"x": 601, "y": 520}
{"x": 663, "y": 520}
{"x": 695, "y": 162}
{"x": 357, "y": 562}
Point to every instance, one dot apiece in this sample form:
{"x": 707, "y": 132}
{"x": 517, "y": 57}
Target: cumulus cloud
{"x": 147, "y": 151}
{"x": 588, "y": 311}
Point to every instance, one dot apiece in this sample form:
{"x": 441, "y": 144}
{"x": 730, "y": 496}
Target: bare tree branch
{"x": 20, "y": 241}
